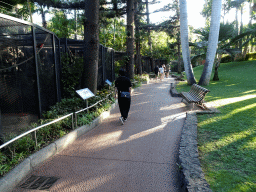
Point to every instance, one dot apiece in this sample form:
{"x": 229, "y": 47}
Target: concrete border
{"x": 17, "y": 174}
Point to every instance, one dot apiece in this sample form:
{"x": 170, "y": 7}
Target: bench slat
{"x": 195, "y": 95}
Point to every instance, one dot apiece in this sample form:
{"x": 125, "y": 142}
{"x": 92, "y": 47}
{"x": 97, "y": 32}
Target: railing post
{"x": 86, "y": 104}
{"x": 34, "y": 137}
{"x": 73, "y": 121}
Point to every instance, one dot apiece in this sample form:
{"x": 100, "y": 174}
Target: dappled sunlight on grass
{"x": 231, "y": 85}
{"x": 224, "y": 141}
{"x": 226, "y": 101}
{"x": 227, "y": 115}
{"x": 251, "y": 91}
{"x": 227, "y": 141}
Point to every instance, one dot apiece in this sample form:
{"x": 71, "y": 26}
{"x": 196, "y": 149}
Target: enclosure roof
{"x": 12, "y": 21}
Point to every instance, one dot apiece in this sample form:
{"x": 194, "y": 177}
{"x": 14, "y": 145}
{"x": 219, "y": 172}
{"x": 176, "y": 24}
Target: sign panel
{"x": 85, "y": 93}
{"x": 108, "y": 82}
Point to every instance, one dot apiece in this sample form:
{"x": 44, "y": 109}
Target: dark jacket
{"x": 123, "y": 83}
{"x": 156, "y": 70}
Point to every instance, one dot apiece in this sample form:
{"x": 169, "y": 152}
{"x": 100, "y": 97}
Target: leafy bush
{"x": 226, "y": 59}
{"x": 250, "y": 56}
{"x": 71, "y": 73}
{"x": 22, "y": 148}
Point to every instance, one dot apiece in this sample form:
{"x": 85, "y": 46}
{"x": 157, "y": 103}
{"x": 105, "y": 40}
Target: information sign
{"x": 108, "y": 82}
{"x": 85, "y": 93}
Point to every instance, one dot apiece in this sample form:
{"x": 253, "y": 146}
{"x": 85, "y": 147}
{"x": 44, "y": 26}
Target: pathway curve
{"x": 140, "y": 155}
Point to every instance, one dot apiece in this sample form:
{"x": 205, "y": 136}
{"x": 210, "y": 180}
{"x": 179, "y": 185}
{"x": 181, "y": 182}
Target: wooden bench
{"x": 195, "y": 95}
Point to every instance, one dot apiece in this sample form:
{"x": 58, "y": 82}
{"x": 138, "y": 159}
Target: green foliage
{"x": 250, "y": 56}
{"x": 72, "y": 70}
{"x": 160, "y": 46}
{"x": 113, "y": 33}
{"x": 174, "y": 66}
{"x": 59, "y": 24}
{"x": 226, "y": 59}
{"x": 22, "y": 148}
{"x": 227, "y": 141}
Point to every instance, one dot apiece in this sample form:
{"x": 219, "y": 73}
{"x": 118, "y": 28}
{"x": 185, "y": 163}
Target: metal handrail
{"x": 75, "y": 113}
{"x": 35, "y": 129}
{"x": 52, "y": 122}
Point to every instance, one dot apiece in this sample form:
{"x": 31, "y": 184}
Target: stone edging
{"x": 17, "y": 174}
{"x": 192, "y": 176}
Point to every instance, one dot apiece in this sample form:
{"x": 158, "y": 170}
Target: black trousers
{"x": 124, "y": 106}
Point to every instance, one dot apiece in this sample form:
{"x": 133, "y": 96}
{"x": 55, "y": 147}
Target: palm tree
{"x": 212, "y": 42}
{"x": 184, "y": 42}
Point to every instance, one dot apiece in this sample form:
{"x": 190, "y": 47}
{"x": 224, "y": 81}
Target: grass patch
{"x": 227, "y": 141}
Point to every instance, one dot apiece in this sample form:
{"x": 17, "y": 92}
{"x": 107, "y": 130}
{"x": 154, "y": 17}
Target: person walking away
{"x": 167, "y": 71}
{"x": 164, "y": 69}
{"x": 161, "y": 71}
{"x": 156, "y": 70}
{"x": 123, "y": 89}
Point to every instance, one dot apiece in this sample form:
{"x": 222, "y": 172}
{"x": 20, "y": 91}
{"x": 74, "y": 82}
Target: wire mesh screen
{"x": 18, "y": 94}
{"x": 46, "y": 68}
{"x": 19, "y": 99}
{"x": 100, "y": 80}
{"x": 105, "y": 63}
{"x": 109, "y": 54}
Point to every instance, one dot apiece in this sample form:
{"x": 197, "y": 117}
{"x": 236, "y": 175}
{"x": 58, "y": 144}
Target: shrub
{"x": 22, "y": 148}
{"x": 71, "y": 73}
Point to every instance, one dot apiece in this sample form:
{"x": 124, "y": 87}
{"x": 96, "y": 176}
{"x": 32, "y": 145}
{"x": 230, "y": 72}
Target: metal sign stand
{"x": 84, "y": 94}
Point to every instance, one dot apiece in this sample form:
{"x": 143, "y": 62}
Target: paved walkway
{"x": 138, "y": 156}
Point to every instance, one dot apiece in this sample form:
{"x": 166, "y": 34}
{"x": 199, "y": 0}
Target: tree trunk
{"x": 130, "y": 38}
{"x": 237, "y": 25}
{"x": 217, "y": 64}
{"x": 75, "y": 13}
{"x": 179, "y": 58}
{"x": 114, "y": 36}
{"x": 241, "y": 28}
{"x": 184, "y": 42}
{"x": 43, "y": 18}
{"x": 179, "y": 43}
{"x": 91, "y": 45}
{"x": 212, "y": 42}
{"x": 137, "y": 35}
{"x": 149, "y": 37}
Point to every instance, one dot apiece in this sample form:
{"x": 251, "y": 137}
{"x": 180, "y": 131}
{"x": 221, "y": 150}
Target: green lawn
{"x": 227, "y": 141}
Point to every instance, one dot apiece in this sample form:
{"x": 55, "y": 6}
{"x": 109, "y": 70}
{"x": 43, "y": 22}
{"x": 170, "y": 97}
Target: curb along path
{"x": 140, "y": 155}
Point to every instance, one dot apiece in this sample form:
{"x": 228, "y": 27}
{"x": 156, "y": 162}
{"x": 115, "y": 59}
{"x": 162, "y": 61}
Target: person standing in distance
{"x": 156, "y": 70}
{"x": 161, "y": 71}
{"x": 123, "y": 89}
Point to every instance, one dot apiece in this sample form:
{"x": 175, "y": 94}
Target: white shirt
{"x": 161, "y": 70}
